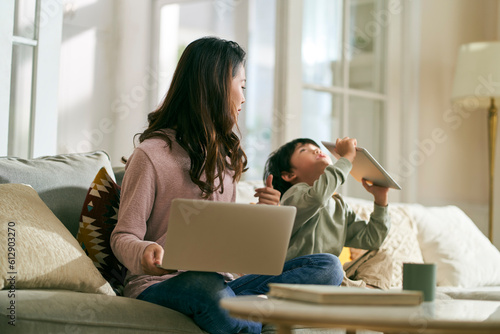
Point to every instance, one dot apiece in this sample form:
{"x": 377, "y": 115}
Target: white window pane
{"x": 320, "y": 115}
{"x": 169, "y": 46}
{"x": 366, "y": 51}
{"x": 366, "y": 124}
{"x": 257, "y": 123}
{"x": 24, "y": 19}
{"x": 20, "y": 101}
{"x": 183, "y": 22}
{"x": 322, "y": 42}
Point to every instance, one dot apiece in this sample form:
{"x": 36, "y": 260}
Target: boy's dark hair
{"x": 279, "y": 162}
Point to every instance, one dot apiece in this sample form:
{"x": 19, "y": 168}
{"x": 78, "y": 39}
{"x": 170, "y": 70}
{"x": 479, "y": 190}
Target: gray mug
{"x": 420, "y": 277}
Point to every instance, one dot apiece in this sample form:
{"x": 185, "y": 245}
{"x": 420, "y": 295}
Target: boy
{"x": 324, "y": 223}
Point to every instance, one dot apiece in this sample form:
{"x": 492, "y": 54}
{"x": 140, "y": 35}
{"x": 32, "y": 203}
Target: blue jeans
{"x": 197, "y": 294}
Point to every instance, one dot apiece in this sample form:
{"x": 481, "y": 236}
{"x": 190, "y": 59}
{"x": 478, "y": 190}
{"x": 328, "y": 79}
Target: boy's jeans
{"x": 197, "y": 294}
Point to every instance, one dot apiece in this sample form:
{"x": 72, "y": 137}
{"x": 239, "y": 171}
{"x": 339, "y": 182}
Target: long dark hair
{"x": 279, "y": 162}
{"x": 198, "y": 107}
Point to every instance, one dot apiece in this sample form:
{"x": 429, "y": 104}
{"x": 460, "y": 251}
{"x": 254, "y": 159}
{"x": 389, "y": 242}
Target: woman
{"x": 190, "y": 150}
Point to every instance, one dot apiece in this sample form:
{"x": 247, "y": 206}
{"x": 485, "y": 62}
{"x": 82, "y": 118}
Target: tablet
{"x": 366, "y": 167}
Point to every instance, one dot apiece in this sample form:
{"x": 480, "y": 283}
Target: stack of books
{"x": 327, "y": 294}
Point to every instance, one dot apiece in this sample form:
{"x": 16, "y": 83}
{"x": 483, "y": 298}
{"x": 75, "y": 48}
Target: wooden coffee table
{"x": 440, "y": 316}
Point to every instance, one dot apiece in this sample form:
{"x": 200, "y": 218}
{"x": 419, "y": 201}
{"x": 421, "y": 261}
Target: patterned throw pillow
{"x": 97, "y": 221}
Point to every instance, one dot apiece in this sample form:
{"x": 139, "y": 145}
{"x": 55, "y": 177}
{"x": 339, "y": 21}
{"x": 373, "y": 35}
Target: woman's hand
{"x": 268, "y": 195}
{"x": 381, "y": 194}
{"x": 153, "y": 256}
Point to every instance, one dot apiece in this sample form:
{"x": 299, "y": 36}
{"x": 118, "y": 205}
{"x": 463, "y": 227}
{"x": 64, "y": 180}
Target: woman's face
{"x": 237, "y": 91}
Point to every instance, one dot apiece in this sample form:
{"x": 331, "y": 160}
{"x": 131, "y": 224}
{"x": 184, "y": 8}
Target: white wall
{"x": 455, "y": 167}
{"x": 134, "y": 81}
{"x": 106, "y": 79}
{"x": 86, "y": 76}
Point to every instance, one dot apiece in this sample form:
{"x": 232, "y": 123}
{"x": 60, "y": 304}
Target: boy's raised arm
{"x": 380, "y": 194}
{"x": 309, "y": 199}
{"x": 367, "y": 235}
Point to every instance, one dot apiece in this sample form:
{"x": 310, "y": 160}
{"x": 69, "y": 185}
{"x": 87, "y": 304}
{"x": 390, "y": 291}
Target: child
{"x": 324, "y": 223}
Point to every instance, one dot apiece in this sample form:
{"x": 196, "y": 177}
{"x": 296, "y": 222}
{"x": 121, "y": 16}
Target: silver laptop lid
{"x": 227, "y": 237}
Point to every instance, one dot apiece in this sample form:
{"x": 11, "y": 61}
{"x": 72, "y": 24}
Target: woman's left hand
{"x": 268, "y": 195}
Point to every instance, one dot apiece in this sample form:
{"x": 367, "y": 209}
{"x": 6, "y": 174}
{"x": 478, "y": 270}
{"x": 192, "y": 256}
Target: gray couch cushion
{"x": 62, "y": 181}
{"x": 119, "y": 173}
{"x": 61, "y": 311}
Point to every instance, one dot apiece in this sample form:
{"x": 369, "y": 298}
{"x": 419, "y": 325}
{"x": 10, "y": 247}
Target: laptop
{"x": 227, "y": 237}
{"x": 365, "y": 166}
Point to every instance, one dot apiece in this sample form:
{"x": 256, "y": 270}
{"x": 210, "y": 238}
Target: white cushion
{"x": 476, "y": 293}
{"x": 462, "y": 253}
{"x": 245, "y": 191}
{"x": 401, "y": 242}
{"x": 44, "y": 253}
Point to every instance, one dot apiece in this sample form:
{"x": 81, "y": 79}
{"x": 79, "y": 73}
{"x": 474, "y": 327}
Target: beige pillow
{"x": 401, "y": 243}
{"x": 43, "y": 253}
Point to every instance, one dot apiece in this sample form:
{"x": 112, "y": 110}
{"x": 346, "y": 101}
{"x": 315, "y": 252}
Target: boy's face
{"x": 308, "y": 164}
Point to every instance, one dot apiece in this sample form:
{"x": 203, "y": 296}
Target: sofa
{"x": 51, "y": 282}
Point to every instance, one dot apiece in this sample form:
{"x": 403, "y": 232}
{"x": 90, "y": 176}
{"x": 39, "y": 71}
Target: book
{"x": 339, "y": 295}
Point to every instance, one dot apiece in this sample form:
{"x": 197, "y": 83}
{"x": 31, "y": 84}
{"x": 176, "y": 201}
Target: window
{"x": 32, "y": 32}
{"x": 338, "y": 80}
{"x": 341, "y": 69}
{"x": 343, "y": 73}
{"x": 251, "y": 24}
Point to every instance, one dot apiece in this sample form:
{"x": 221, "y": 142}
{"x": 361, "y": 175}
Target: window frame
{"x": 401, "y": 91}
{"x": 6, "y": 33}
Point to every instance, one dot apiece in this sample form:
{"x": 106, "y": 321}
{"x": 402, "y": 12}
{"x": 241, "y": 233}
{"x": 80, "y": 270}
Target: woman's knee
{"x": 202, "y": 283}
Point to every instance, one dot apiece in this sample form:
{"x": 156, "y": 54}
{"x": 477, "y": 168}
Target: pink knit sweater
{"x": 154, "y": 176}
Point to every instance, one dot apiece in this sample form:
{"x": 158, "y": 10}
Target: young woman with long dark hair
{"x": 190, "y": 150}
